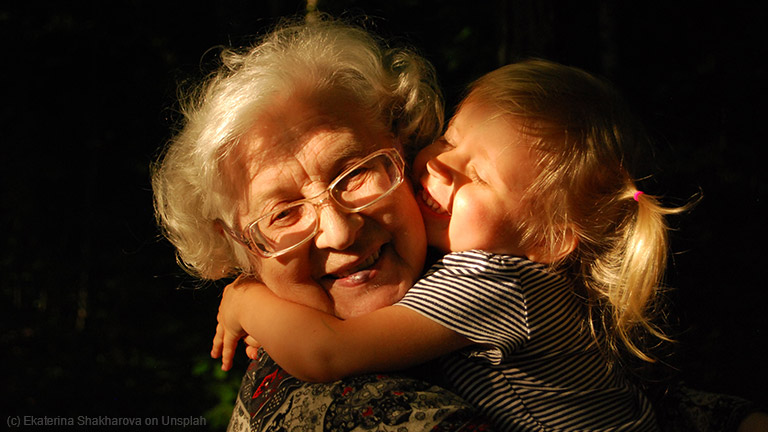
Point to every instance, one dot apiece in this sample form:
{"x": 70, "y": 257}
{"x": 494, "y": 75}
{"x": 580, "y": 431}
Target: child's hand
{"x": 229, "y": 330}
{"x": 224, "y": 346}
{"x": 251, "y": 347}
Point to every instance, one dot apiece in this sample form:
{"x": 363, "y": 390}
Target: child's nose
{"x": 439, "y": 170}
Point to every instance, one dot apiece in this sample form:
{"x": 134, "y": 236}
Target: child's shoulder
{"x": 477, "y": 255}
{"x": 484, "y": 260}
{"x": 484, "y": 263}
{"x": 475, "y": 268}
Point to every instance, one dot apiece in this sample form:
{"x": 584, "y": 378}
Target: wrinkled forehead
{"x": 299, "y": 141}
{"x": 290, "y": 123}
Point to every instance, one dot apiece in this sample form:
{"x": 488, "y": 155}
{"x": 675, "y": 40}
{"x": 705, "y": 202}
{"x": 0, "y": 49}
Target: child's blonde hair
{"x": 584, "y": 196}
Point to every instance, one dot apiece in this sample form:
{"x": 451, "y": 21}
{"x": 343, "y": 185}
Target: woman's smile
{"x": 355, "y": 270}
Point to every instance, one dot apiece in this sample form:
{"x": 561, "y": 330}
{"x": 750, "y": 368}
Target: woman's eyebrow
{"x": 259, "y": 200}
{"x": 353, "y": 147}
{"x": 349, "y": 152}
{"x": 264, "y": 192}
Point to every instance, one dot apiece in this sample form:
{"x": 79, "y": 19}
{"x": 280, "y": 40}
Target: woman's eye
{"x": 284, "y": 217}
{"x": 355, "y": 178}
{"x": 357, "y": 173}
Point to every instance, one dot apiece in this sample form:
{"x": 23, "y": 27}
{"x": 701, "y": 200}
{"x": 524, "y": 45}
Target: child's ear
{"x": 549, "y": 254}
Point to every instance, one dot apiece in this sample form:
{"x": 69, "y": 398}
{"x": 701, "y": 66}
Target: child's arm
{"x": 315, "y": 346}
{"x": 228, "y": 328}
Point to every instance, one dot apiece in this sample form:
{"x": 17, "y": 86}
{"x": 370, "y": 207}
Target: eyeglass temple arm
{"x": 232, "y": 233}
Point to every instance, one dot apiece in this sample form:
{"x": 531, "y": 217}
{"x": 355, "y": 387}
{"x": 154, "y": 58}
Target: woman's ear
{"x": 218, "y": 226}
{"x": 557, "y": 251}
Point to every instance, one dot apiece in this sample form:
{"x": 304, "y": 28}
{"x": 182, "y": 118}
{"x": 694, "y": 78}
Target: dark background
{"x": 97, "y": 318}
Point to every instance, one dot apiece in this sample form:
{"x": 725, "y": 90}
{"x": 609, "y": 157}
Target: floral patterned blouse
{"x": 272, "y": 400}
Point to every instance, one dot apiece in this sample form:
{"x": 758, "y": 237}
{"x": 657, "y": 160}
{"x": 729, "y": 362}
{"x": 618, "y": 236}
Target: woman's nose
{"x": 338, "y": 229}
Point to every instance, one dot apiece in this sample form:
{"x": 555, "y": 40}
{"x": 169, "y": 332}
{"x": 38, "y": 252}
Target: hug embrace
{"x": 315, "y": 167}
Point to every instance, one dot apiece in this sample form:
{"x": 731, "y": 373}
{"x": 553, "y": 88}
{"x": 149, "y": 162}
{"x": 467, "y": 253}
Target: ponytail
{"x": 584, "y": 210}
{"x": 626, "y": 280}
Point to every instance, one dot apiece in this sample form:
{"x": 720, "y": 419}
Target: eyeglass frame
{"x": 394, "y": 156}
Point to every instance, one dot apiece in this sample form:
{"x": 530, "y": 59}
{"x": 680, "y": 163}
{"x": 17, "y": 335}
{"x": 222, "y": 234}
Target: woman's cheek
{"x": 406, "y": 227}
{"x": 290, "y": 278}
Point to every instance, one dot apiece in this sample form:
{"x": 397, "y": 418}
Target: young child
{"x": 556, "y": 258}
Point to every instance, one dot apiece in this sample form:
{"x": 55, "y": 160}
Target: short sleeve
{"x": 477, "y": 295}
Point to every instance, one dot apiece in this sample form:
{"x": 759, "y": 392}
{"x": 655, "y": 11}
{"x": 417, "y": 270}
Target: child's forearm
{"x": 315, "y": 346}
{"x": 303, "y": 340}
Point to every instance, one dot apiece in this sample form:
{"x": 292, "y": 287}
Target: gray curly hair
{"x": 396, "y": 87}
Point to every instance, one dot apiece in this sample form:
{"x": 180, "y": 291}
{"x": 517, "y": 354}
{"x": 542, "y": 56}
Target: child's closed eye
{"x": 444, "y": 144}
{"x": 474, "y": 176}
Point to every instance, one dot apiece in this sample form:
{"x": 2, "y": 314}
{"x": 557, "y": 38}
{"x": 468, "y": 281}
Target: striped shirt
{"x": 533, "y": 366}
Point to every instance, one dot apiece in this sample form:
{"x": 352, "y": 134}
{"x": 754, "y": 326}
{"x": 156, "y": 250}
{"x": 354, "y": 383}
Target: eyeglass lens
{"x": 353, "y": 191}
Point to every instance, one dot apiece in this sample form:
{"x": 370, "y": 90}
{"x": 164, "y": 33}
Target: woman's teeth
{"x": 365, "y": 264}
{"x": 435, "y": 207}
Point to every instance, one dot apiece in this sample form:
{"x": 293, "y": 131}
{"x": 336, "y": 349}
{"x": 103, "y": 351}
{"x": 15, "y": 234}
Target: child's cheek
{"x": 469, "y": 227}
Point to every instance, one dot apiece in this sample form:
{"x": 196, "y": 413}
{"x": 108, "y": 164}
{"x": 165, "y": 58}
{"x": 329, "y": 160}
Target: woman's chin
{"x": 378, "y": 286}
{"x": 369, "y": 302}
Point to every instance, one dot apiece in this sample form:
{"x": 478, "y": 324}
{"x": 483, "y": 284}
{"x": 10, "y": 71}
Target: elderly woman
{"x": 290, "y": 168}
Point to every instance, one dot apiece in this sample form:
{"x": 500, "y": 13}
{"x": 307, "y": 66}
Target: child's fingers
{"x": 228, "y": 351}
{"x": 218, "y": 341}
{"x": 251, "y": 342}
{"x": 252, "y": 353}
{"x": 252, "y": 347}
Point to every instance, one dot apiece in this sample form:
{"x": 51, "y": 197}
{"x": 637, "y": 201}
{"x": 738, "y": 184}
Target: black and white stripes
{"x": 534, "y": 366}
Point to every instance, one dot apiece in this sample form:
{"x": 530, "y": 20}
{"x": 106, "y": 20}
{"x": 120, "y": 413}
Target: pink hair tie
{"x": 637, "y": 195}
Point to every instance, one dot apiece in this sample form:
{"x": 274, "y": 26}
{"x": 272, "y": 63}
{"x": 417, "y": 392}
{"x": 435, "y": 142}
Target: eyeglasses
{"x": 357, "y": 188}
